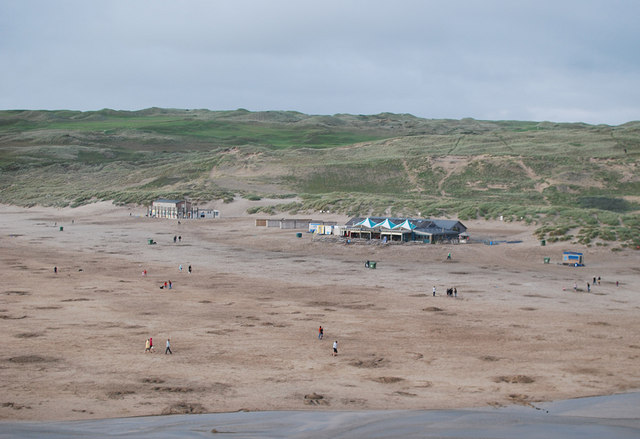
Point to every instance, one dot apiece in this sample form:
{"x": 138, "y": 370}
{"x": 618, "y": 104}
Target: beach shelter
{"x": 405, "y": 225}
{"x": 386, "y": 224}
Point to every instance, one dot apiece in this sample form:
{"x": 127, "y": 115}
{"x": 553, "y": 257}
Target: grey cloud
{"x": 542, "y": 60}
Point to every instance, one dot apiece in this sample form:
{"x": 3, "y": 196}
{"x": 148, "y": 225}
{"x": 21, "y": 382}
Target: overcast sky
{"x": 564, "y": 61}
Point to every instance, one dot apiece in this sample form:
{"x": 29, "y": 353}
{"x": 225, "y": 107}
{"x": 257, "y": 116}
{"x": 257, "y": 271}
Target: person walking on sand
{"x": 455, "y": 292}
{"x": 189, "y": 269}
{"x": 588, "y": 287}
{"x": 147, "y": 346}
{"x": 434, "y": 291}
{"x": 150, "y": 344}
{"x": 170, "y": 285}
{"x": 168, "y": 349}
{"x": 320, "y": 333}
{"x": 180, "y": 268}
{"x": 335, "y": 348}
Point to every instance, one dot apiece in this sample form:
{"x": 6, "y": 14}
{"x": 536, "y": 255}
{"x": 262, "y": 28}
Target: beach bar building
{"x": 403, "y": 229}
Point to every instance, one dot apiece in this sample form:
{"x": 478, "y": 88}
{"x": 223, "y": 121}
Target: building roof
{"x": 164, "y": 200}
{"x": 420, "y": 225}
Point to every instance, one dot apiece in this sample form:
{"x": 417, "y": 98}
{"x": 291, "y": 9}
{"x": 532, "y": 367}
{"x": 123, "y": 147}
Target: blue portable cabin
{"x": 572, "y": 258}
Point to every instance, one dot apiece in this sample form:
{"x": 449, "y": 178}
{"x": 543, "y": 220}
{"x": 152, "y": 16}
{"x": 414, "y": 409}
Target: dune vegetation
{"x": 576, "y": 182}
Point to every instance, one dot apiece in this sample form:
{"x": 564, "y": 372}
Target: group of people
{"x": 451, "y": 292}
{"x": 335, "y": 343}
{"x": 596, "y": 281}
{"x": 177, "y": 238}
{"x": 190, "y": 269}
{"x": 167, "y": 285}
{"x": 148, "y": 346}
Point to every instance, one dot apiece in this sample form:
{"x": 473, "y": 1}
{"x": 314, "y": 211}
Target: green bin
{"x": 372, "y": 264}
{"x": 61, "y": 228}
{"x": 298, "y": 235}
{"x": 546, "y": 260}
{"x": 543, "y": 242}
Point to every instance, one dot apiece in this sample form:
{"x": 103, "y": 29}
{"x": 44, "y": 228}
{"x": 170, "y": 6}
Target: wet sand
{"x": 243, "y": 325}
{"x": 612, "y": 417}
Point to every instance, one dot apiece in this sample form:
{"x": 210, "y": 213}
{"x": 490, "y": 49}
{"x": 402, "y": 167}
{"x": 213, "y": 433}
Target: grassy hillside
{"x": 577, "y": 182}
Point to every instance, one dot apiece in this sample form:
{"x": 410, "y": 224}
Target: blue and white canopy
{"x": 386, "y": 224}
{"x": 406, "y": 225}
{"x": 366, "y": 223}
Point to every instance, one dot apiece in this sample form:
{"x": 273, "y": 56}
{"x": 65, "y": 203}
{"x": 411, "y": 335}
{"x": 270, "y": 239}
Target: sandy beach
{"x": 243, "y": 325}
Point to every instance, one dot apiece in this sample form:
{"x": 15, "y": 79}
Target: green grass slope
{"x": 578, "y": 182}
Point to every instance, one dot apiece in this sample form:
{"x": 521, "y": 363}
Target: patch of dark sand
{"x": 29, "y": 335}
{"x": 220, "y": 331}
{"x": 184, "y": 408}
{"x": 370, "y": 364}
{"x": 6, "y": 317}
{"x": 518, "y": 398}
{"x": 152, "y": 380}
{"x": 387, "y": 380}
{"x": 353, "y": 401}
{"x": 119, "y": 394}
{"x": 17, "y": 293}
{"x": 514, "y": 379}
{"x": 432, "y": 309}
{"x": 173, "y": 389}
{"x": 322, "y": 303}
{"x": 315, "y": 399}
{"x": 358, "y": 306}
{"x": 79, "y": 299}
{"x": 401, "y": 393}
{"x": 275, "y": 325}
{"x": 28, "y": 359}
{"x": 14, "y": 405}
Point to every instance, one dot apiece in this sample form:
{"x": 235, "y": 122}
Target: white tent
{"x": 366, "y": 223}
{"x": 386, "y": 224}
{"x": 406, "y": 225}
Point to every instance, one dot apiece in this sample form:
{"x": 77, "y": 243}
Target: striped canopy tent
{"x": 405, "y": 225}
{"x": 366, "y": 223}
{"x": 386, "y": 224}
